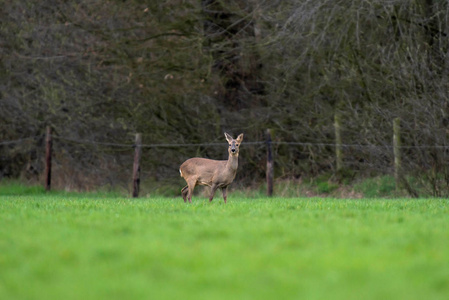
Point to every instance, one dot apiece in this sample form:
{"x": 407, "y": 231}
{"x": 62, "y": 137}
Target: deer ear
{"x": 240, "y": 138}
{"x": 228, "y": 137}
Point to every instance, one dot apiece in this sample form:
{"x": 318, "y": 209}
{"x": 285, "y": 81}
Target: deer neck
{"x": 233, "y": 163}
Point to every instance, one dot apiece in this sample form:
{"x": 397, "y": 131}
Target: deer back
{"x": 206, "y": 171}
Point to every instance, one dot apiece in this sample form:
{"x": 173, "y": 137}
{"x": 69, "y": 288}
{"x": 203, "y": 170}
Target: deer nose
{"x": 233, "y": 150}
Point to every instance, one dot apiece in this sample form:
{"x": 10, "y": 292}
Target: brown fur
{"x": 209, "y": 172}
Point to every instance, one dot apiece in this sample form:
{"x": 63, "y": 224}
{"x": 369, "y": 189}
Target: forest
{"x": 183, "y": 72}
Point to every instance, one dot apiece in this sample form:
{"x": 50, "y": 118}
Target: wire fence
{"x": 18, "y": 141}
{"x": 354, "y": 155}
{"x": 182, "y": 145}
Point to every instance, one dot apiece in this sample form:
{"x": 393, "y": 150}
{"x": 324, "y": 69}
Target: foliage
{"x": 76, "y": 248}
{"x": 16, "y": 188}
{"x": 183, "y": 72}
{"x": 383, "y": 186}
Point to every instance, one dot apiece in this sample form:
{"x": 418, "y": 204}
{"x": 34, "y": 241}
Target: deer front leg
{"x": 213, "y": 188}
{"x": 224, "y": 190}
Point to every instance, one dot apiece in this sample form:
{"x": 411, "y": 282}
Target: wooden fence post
{"x": 397, "y": 150}
{"x": 338, "y": 143}
{"x": 48, "y": 154}
{"x": 269, "y": 164}
{"x": 136, "y": 166}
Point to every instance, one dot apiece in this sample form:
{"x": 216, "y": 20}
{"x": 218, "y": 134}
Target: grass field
{"x": 94, "y": 247}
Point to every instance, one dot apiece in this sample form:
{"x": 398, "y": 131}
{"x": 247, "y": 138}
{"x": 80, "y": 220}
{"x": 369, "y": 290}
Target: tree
{"x": 183, "y": 72}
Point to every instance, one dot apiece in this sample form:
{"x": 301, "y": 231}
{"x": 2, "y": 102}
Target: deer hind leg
{"x": 184, "y": 192}
{"x": 190, "y": 187}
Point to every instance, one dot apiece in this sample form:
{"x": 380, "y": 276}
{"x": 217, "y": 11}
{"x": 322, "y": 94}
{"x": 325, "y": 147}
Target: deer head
{"x": 234, "y": 144}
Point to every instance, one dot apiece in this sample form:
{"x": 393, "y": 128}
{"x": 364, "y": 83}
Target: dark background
{"x": 184, "y": 72}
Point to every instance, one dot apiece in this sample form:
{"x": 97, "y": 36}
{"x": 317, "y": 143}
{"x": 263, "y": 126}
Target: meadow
{"x": 59, "y": 246}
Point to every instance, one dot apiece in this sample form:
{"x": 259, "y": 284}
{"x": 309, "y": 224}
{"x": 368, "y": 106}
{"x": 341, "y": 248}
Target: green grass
{"x": 13, "y": 187}
{"x": 89, "y": 247}
{"x": 383, "y": 186}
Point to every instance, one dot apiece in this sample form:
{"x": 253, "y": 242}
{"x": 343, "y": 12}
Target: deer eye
{"x": 230, "y": 145}
{"x": 236, "y": 145}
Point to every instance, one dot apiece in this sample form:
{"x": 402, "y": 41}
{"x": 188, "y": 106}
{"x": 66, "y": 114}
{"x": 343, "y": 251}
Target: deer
{"x": 213, "y": 173}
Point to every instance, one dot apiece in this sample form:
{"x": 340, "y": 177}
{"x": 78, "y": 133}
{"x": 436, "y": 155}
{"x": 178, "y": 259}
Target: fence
{"x": 137, "y": 157}
{"x": 396, "y": 148}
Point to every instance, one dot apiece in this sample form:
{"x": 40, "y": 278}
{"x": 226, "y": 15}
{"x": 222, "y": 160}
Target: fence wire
{"x": 176, "y": 145}
{"x": 18, "y": 141}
